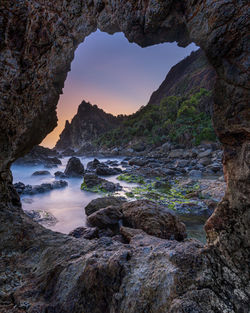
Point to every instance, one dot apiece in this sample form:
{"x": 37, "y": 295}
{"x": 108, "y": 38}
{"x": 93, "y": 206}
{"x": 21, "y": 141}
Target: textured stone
{"x": 74, "y": 168}
{"x": 101, "y": 203}
{"x": 38, "y": 40}
{"x": 89, "y": 123}
{"x": 153, "y": 219}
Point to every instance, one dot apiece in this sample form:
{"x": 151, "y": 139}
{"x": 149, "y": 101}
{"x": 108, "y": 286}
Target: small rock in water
{"x": 60, "y": 174}
{"x": 31, "y": 190}
{"x": 40, "y": 173}
{"x": 74, "y": 168}
{"x": 42, "y": 217}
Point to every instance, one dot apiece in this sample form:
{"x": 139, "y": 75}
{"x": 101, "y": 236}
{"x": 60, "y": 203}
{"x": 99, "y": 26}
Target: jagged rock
{"x": 84, "y": 232}
{"x": 43, "y": 217}
{"x": 74, "y": 168}
{"x": 40, "y": 173}
{"x": 46, "y": 271}
{"x": 101, "y": 203}
{"x": 89, "y": 123}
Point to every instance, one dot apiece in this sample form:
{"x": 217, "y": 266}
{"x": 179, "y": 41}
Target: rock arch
{"x": 38, "y": 40}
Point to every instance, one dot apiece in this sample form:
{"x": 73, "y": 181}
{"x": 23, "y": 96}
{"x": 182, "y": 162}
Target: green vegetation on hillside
{"x": 176, "y": 118}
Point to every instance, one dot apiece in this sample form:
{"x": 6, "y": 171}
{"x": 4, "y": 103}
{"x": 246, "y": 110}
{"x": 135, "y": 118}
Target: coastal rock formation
{"x": 101, "y": 203}
{"x": 189, "y": 75}
{"x": 44, "y": 271}
{"x": 74, "y": 168}
{"x": 88, "y": 123}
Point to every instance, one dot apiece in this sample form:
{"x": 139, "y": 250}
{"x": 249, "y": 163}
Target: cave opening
{"x": 47, "y": 271}
{"x": 123, "y": 78}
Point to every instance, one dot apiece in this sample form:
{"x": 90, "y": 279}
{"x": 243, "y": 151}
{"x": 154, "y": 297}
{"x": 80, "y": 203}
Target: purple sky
{"x": 114, "y": 74}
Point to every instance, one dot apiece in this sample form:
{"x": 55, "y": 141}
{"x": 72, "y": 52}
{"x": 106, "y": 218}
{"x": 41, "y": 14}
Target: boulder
{"x": 153, "y": 219}
{"x": 74, "y": 168}
{"x": 137, "y": 161}
{"x": 101, "y": 203}
{"x": 84, "y": 232}
{"x": 60, "y": 174}
{"x": 93, "y": 164}
{"x": 91, "y": 180}
{"x": 105, "y": 170}
{"x": 108, "y": 217}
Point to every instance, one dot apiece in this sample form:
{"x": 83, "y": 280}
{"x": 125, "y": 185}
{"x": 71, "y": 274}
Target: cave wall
{"x": 37, "y": 44}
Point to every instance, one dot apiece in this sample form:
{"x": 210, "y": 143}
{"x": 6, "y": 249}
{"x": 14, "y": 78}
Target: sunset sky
{"x": 114, "y": 74}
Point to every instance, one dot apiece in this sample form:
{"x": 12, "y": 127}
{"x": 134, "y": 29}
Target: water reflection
{"x": 67, "y": 204}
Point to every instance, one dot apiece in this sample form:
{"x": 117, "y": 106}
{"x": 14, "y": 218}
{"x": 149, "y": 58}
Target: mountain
{"x": 89, "y": 123}
{"x": 178, "y": 111}
{"x": 186, "y": 77}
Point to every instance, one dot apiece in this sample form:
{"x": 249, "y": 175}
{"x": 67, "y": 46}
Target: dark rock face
{"x": 40, "y": 155}
{"x": 74, "y": 168}
{"x": 23, "y": 189}
{"x": 145, "y": 215}
{"x": 37, "y": 47}
{"x": 101, "y": 203}
{"x": 105, "y": 170}
{"x": 83, "y": 232}
{"x": 86, "y": 125}
{"x": 192, "y": 73}
{"x": 153, "y": 219}
{"x": 93, "y": 181}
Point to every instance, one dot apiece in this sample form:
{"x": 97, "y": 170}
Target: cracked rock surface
{"x": 42, "y": 271}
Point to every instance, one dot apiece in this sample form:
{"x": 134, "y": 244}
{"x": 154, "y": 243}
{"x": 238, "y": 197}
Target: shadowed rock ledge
{"x": 42, "y": 271}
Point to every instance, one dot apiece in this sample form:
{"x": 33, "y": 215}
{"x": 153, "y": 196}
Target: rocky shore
{"x": 188, "y": 182}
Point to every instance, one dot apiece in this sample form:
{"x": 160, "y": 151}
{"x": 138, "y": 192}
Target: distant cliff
{"x": 178, "y": 111}
{"x": 89, "y": 123}
{"x": 187, "y": 77}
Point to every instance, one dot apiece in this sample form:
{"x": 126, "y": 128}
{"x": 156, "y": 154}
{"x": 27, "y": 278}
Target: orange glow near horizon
{"x": 117, "y": 76}
{"x": 68, "y": 105}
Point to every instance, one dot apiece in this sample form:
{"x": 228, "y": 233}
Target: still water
{"x": 65, "y": 204}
